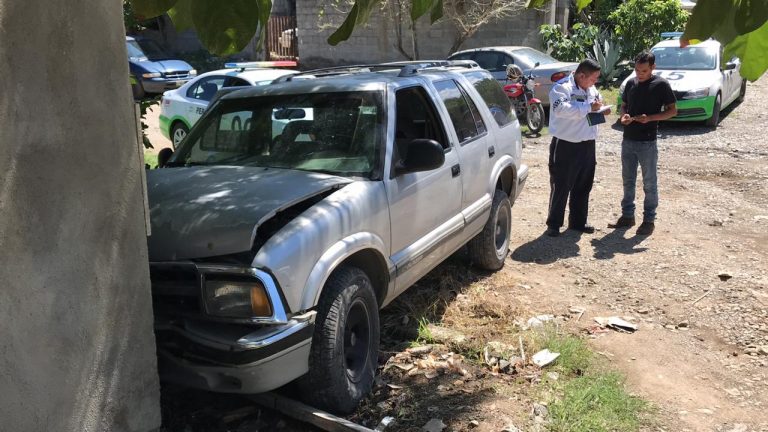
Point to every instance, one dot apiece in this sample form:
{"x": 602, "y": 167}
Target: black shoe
{"x": 552, "y": 232}
{"x": 586, "y": 229}
{"x": 623, "y": 222}
{"x": 646, "y": 228}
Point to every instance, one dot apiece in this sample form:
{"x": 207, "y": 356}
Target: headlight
{"x": 237, "y": 299}
{"x": 192, "y": 72}
{"x": 697, "y": 94}
{"x": 152, "y": 75}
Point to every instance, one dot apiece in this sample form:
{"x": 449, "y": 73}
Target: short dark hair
{"x": 588, "y": 66}
{"x": 646, "y": 57}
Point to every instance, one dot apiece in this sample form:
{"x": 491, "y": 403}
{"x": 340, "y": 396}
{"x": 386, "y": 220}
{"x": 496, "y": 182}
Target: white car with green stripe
{"x": 702, "y": 87}
{"x": 182, "y": 107}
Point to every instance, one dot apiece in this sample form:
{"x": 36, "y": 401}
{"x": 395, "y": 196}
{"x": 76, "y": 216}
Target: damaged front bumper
{"x": 219, "y": 358}
{"x": 242, "y": 355}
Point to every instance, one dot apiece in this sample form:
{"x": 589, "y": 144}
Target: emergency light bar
{"x": 671, "y": 35}
{"x": 260, "y": 64}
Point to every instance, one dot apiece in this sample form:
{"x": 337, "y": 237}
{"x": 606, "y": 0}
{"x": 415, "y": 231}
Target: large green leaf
{"x": 437, "y": 11}
{"x": 144, "y": 9}
{"x": 420, "y": 7}
{"x": 752, "y": 49}
{"x": 581, "y": 4}
{"x": 752, "y": 14}
{"x": 535, "y": 4}
{"x": 357, "y": 16}
{"x": 226, "y": 27}
{"x": 181, "y": 15}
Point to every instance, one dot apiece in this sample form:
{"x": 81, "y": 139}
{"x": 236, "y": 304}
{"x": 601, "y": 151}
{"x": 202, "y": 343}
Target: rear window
{"x": 493, "y": 96}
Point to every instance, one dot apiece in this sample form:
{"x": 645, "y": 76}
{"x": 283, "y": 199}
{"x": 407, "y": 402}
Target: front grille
{"x": 690, "y": 112}
{"x": 177, "y": 75}
{"x": 175, "y": 289}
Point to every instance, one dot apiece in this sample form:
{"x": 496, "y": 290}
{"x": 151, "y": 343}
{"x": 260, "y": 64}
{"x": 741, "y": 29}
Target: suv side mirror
{"x": 730, "y": 66}
{"x": 422, "y": 155}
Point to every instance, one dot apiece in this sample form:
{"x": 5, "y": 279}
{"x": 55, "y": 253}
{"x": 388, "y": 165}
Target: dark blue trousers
{"x": 571, "y": 174}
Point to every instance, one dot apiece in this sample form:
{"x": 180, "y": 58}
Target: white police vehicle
{"x": 182, "y": 107}
{"x": 702, "y": 87}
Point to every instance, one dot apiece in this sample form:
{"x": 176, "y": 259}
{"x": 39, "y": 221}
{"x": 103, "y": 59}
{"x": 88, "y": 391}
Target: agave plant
{"x": 606, "y": 51}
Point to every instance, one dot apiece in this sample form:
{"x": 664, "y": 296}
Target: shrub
{"x": 639, "y": 23}
{"x": 563, "y": 47}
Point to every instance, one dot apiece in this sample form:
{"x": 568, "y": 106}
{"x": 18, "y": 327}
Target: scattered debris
{"x": 539, "y": 320}
{"x": 446, "y": 335}
{"x": 724, "y": 276}
{"x": 434, "y": 425}
{"x": 474, "y": 423}
{"x": 510, "y": 428}
{"x": 716, "y": 223}
{"x": 701, "y": 297}
{"x": 384, "y": 423}
{"x": 544, "y": 357}
{"x": 616, "y": 323}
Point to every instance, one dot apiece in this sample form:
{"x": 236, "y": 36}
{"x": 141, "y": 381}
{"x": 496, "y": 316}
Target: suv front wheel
{"x": 345, "y": 346}
{"x": 488, "y": 250}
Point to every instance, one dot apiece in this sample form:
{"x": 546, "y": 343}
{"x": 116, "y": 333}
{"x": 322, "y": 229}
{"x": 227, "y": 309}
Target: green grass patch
{"x": 151, "y": 159}
{"x": 610, "y": 95}
{"x": 586, "y": 397}
{"x": 595, "y": 403}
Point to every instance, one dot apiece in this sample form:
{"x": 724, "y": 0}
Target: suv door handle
{"x": 455, "y": 170}
{"x": 491, "y": 151}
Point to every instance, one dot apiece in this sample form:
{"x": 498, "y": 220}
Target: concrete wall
{"x": 76, "y": 347}
{"x": 376, "y": 42}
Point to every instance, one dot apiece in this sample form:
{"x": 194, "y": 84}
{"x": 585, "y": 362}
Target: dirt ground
{"x": 697, "y": 288}
{"x": 700, "y": 352}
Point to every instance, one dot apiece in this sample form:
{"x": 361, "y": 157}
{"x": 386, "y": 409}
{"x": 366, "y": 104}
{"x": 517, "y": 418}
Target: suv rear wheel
{"x": 345, "y": 346}
{"x": 488, "y": 250}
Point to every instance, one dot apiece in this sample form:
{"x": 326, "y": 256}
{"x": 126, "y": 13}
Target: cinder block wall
{"x": 77, "y": 352}
{"x": 377, "y": 40}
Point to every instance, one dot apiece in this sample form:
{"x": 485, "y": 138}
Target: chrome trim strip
{"x": 477, "y": 208}
{"x": 257, "y": 339}
{"x": 410, "y": 256}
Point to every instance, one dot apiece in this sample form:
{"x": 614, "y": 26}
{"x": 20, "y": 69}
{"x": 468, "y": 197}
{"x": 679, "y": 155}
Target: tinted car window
{"x": 493, "y": 95}
{"x": 206, "y": 88}
{"x": 416, "y": 119}
{"x": 491, "y": 61}
{"x": 458, "y": 109}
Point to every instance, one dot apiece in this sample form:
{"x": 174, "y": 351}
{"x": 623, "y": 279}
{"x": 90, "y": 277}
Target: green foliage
{"x": 597, "y": 13}
{"x": 596, "y": 403}
{"x": 740, "y": 25}
{"x": 574, "y": 47}
{"x": 144, "y": 105}
{"x": 639, "y": 23}
{"x": 132, "y": 23}
{"x": 607, "y": 52}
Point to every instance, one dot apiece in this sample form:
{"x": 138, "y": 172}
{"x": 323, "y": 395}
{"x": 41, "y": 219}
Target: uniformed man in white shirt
{"x": 573, "y": 117}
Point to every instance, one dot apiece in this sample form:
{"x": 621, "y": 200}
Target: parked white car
{"x": 702, "y": 87}
{"x": 182, "y": 107}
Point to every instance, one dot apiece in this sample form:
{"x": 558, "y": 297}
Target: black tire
{"x": 138, "y": 91}
{"x": 489, "y": 249}
{"x": 742, "y": 90}
{"x": 179, "y": 131}
{"x": 534, "y": 117}
{"x": 715, "y": 119}
{"x": 345, "y": 346}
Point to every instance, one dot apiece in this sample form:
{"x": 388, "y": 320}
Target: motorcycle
{"x": 521, "y": 94}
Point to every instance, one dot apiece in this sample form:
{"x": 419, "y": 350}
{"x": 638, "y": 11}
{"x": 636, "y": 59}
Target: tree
{"x": 639, "y": 23}
{"x": 468, "y": 16}
{"x": 226, "y": 27}
{"x": 740, "y": 25}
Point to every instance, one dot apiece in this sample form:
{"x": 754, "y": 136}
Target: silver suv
{"x": 293, "y": 212}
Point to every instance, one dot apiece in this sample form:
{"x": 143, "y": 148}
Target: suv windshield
{"x": 690, "y": 58}
{"x": 335, "y": 133}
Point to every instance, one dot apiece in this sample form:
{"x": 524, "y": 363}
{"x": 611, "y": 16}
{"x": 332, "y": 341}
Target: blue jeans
{"x": 645, "y": 154}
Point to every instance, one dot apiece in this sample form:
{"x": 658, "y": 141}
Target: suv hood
{"x": 199, "y": 212}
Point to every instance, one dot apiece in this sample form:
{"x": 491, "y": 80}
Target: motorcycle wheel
{"x": 535, "y": 117}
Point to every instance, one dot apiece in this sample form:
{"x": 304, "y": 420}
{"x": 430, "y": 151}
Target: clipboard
{"x": 595, "y": 118}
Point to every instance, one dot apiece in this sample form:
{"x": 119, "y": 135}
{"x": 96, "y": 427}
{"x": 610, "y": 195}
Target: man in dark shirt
{"x": 646, "y": 100}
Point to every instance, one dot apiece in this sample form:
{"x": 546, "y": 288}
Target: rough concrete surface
{"x": 76, "y": 350}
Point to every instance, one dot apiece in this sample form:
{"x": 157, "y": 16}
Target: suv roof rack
{"x": 671, "y": 35}
{"x": 407, "y": 68}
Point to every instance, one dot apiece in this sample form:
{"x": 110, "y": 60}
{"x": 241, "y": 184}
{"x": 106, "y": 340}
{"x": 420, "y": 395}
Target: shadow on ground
{"x": 546, "y": 250}
{"x": 615, "y": 243}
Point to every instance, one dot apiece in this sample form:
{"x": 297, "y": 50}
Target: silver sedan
{"x": 496, "y": 59}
